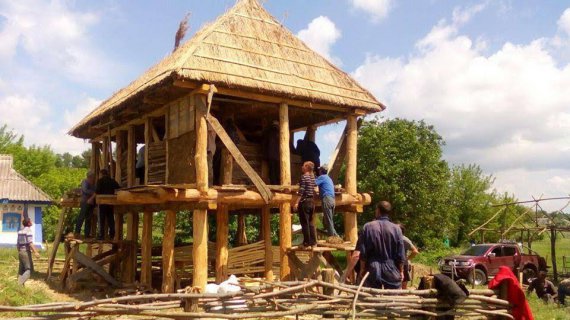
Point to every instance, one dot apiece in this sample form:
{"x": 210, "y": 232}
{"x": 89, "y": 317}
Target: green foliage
{"x": 401, "y": 161}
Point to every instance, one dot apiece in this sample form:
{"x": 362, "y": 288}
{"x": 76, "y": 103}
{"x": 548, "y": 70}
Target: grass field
{"x": 562, "y": 249}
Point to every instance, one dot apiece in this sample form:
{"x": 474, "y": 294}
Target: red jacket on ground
{"x": 520, "y": 308}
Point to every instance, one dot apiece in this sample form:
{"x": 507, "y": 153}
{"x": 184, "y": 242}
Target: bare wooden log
{"x": 168, "y": 271}
{"x": 222, "y": 228}
{"x": 146, "y": 250}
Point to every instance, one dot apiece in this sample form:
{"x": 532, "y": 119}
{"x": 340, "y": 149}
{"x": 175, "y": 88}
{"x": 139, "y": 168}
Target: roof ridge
{"x": 38, "y": 189}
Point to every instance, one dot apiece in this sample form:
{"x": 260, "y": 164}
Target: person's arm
{"x": 33, "y": 249}
{"x": 413, "y": 252}
{"x": 531, "y": 287}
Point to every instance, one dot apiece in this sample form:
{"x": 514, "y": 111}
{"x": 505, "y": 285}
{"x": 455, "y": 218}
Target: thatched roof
{"x": 14, "y": 187}
{"x": 248, "y": 49}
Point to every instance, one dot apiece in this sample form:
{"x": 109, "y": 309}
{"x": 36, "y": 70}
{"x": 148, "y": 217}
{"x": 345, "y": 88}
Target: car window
{"x": 476, "y": 250}
{"x": 509, "y": 251}
{"x": 497, "y": 252}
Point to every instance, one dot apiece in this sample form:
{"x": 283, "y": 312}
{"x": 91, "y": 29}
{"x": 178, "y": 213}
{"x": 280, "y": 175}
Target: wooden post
{"x": 130, "y": 262}
{"x": 95, "y": 154}
{"x": 553, "y": 253}
{"x": 168, "y": 270}
{"x": 119, "y": 154}
{"x": 241, "y": 235}
{"x": 266, "y": 229}
{"x": 222, "y": 221}
{"x": 146, "y": 250}
{"x": 147, "y": 138}
{"x": 350, "y": 223}
{"x": 284, "y": 208}
{"x": 131, "y": 156}
{"x": 105, "y": 152}
{"x": 199, "y": 220}
{"x": 227, "y": 167}
{"x": 311, "y": 133}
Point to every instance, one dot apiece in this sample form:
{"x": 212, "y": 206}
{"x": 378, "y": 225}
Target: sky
{"x": 493, "y": 77}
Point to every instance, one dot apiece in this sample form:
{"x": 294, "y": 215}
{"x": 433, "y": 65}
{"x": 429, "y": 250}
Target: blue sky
{"x": 492, "y": 76}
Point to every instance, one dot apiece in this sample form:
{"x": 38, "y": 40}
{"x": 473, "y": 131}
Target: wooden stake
{"x": 168, "y": 270}
{"x": 222, "y": 220}
{"x": 350, "y": 223}
{"x": 284, "y": 208}
{"x": 131, "y": 156}
{"x": 266, "y": 227}
{"x": 119, "y": 154}
{"x": 146, "y": 250}
{"x": 130, "y": 261}
{"x": 553, "y": 253}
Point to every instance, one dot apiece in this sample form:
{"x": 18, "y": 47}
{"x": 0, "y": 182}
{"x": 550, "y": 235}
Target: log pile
{"x": 276, "y": 300}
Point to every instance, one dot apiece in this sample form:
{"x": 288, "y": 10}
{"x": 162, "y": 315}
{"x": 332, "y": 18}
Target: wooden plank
{"x": 240, "y": 159}
{"x": 89, "y": 263}
{"x": 58, "y": 235}
{"x": 168, "y": 270}
{"x": 146, "y": 250}
{"x": 266, "y": 227}
{"x": 222, "y": 229}
{"x": 350, "y": 222}
{"x": 67, "y": 264}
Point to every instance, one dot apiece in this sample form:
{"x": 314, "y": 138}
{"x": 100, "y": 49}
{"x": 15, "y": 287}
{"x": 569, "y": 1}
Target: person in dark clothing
{"x": 306, "y": 205}
{"x": 563, "y": 291}
{"x": 270, "y": 147}
{"x": 544, "y": 288}
{"x": 87, "y": 205}
{"x": 106, "y": 185}
{"x": 309, "y": 151}
{"x": 382, "y": 250}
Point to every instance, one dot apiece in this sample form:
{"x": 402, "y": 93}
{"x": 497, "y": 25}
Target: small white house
{"x": 19, "y": 198}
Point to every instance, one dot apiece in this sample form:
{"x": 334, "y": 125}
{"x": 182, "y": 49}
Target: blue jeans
{"x": 328, "y": 213}
{"x": 85, "y": 214}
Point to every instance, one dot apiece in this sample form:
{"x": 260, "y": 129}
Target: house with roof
{"x": 19, "y": 198}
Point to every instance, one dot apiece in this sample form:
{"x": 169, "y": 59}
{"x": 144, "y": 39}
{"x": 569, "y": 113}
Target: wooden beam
{"x": 222, "y": 229}
{"x": 131, "y": 156}
{"x": 350, "y": 222}
{"x": 95, "y": 158}
{"x": 168, "y": 270}
{"x": 119, "y": 143}
{"x": 146, "y": 250}
{"x": 337, "y": 157}
{"x": 89, "y": 263}
{"x": 139, "y": 120}
{"x": 266, "y": 229}
{"x": 240, "y": 159}
{"x": 105, "y": 153}
{"x": 284, "y": 208}
{"x": 200, "y": 219}
{"x": 58, "y": 235}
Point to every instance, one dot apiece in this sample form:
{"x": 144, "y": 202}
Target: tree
{"x": 470, "y": 197}
{"x": 401, "y": 161}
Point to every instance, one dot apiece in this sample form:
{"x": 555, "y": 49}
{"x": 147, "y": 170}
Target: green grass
{"x": 562, "y": 249}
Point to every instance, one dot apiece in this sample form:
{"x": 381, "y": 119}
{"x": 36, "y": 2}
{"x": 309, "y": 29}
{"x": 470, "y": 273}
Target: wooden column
{"x": 222, "y": 221}
{"x": 350, "y": 223}
{"x": 241, "y": 235}
{"x": 119, "y": 154}
{"x": 131, "y": 156}
{"x": 130, "y": 261}
{"x": 95, "y": 155}
{"x": 105, "y": 152}
{"x": 199, "y": 219}
{"x": 146, "y": 250}
{"x": 227, "y": 167}
{"x": 147, "y": 139}
{"x": 284, "y": 208}
{"x": 553, "y": 253}
{"x": 168, "y": 271}
{"x": 266, "y": 229}
{"x": 311, "y": 134}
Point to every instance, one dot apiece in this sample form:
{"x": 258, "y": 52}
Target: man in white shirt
{"x": 25, "y": 245}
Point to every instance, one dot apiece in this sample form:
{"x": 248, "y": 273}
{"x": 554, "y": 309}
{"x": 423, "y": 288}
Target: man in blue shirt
{"x": 87, "y": 205}
{"x": 326, "y": 191}
{"x": 381, "y": 248}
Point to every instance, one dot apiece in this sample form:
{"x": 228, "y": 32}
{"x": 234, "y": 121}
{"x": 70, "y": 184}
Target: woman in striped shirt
{"x": 306, "y": 206}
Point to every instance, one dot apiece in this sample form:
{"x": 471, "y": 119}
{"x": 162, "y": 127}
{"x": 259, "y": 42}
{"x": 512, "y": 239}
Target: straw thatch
{"x": 248, "y": 49}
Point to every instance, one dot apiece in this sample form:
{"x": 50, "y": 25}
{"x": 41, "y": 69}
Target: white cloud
{"x": 377, "y": 9}
{"x": 320, "y": 35}
{"x": 72, "y": 117}
{"x": 507, "y": 110}
{"x": 52, "y": 37}
{"x": 564, "y": 22}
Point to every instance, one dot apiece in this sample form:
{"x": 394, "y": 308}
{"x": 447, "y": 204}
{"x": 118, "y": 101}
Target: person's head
{"x": 323, "y": 170}
{"x": 383, "y": 208}
{"x": 27, "y": 222}
{"x": 104, "y": 172}
{"x": 300, "y": 142}
{"x": 542, "y": 275}
{"x": 402, "y": 228}
{"x": 90, "y": 176}
{"x": 308, "y": 167}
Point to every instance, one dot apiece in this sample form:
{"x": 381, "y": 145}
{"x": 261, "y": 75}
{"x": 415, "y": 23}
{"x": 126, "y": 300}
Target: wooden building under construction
{"x": 245, "y": 68}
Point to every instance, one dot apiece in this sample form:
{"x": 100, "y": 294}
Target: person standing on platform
{"x": 25, "y": 247}
{"x": 411, "y": 252}
{"x": 87, "y": 205}
{"x": 309, "y": 151}
{"x": 306, "y": 205}
{"x": 326, "y": 192}
{"x": 382, "y": 250}
{"x": 106, "y": 185}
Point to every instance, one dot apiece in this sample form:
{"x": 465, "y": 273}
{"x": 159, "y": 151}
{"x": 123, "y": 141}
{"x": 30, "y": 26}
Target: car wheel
{"x": 479, "y": 277}
{"x": 528, "y": 273}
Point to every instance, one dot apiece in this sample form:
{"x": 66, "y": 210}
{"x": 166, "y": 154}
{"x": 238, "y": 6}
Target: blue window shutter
{"x": 38, "y": 238}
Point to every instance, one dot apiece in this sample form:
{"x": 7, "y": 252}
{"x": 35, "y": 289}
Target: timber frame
{"x": 175, "y": 106}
